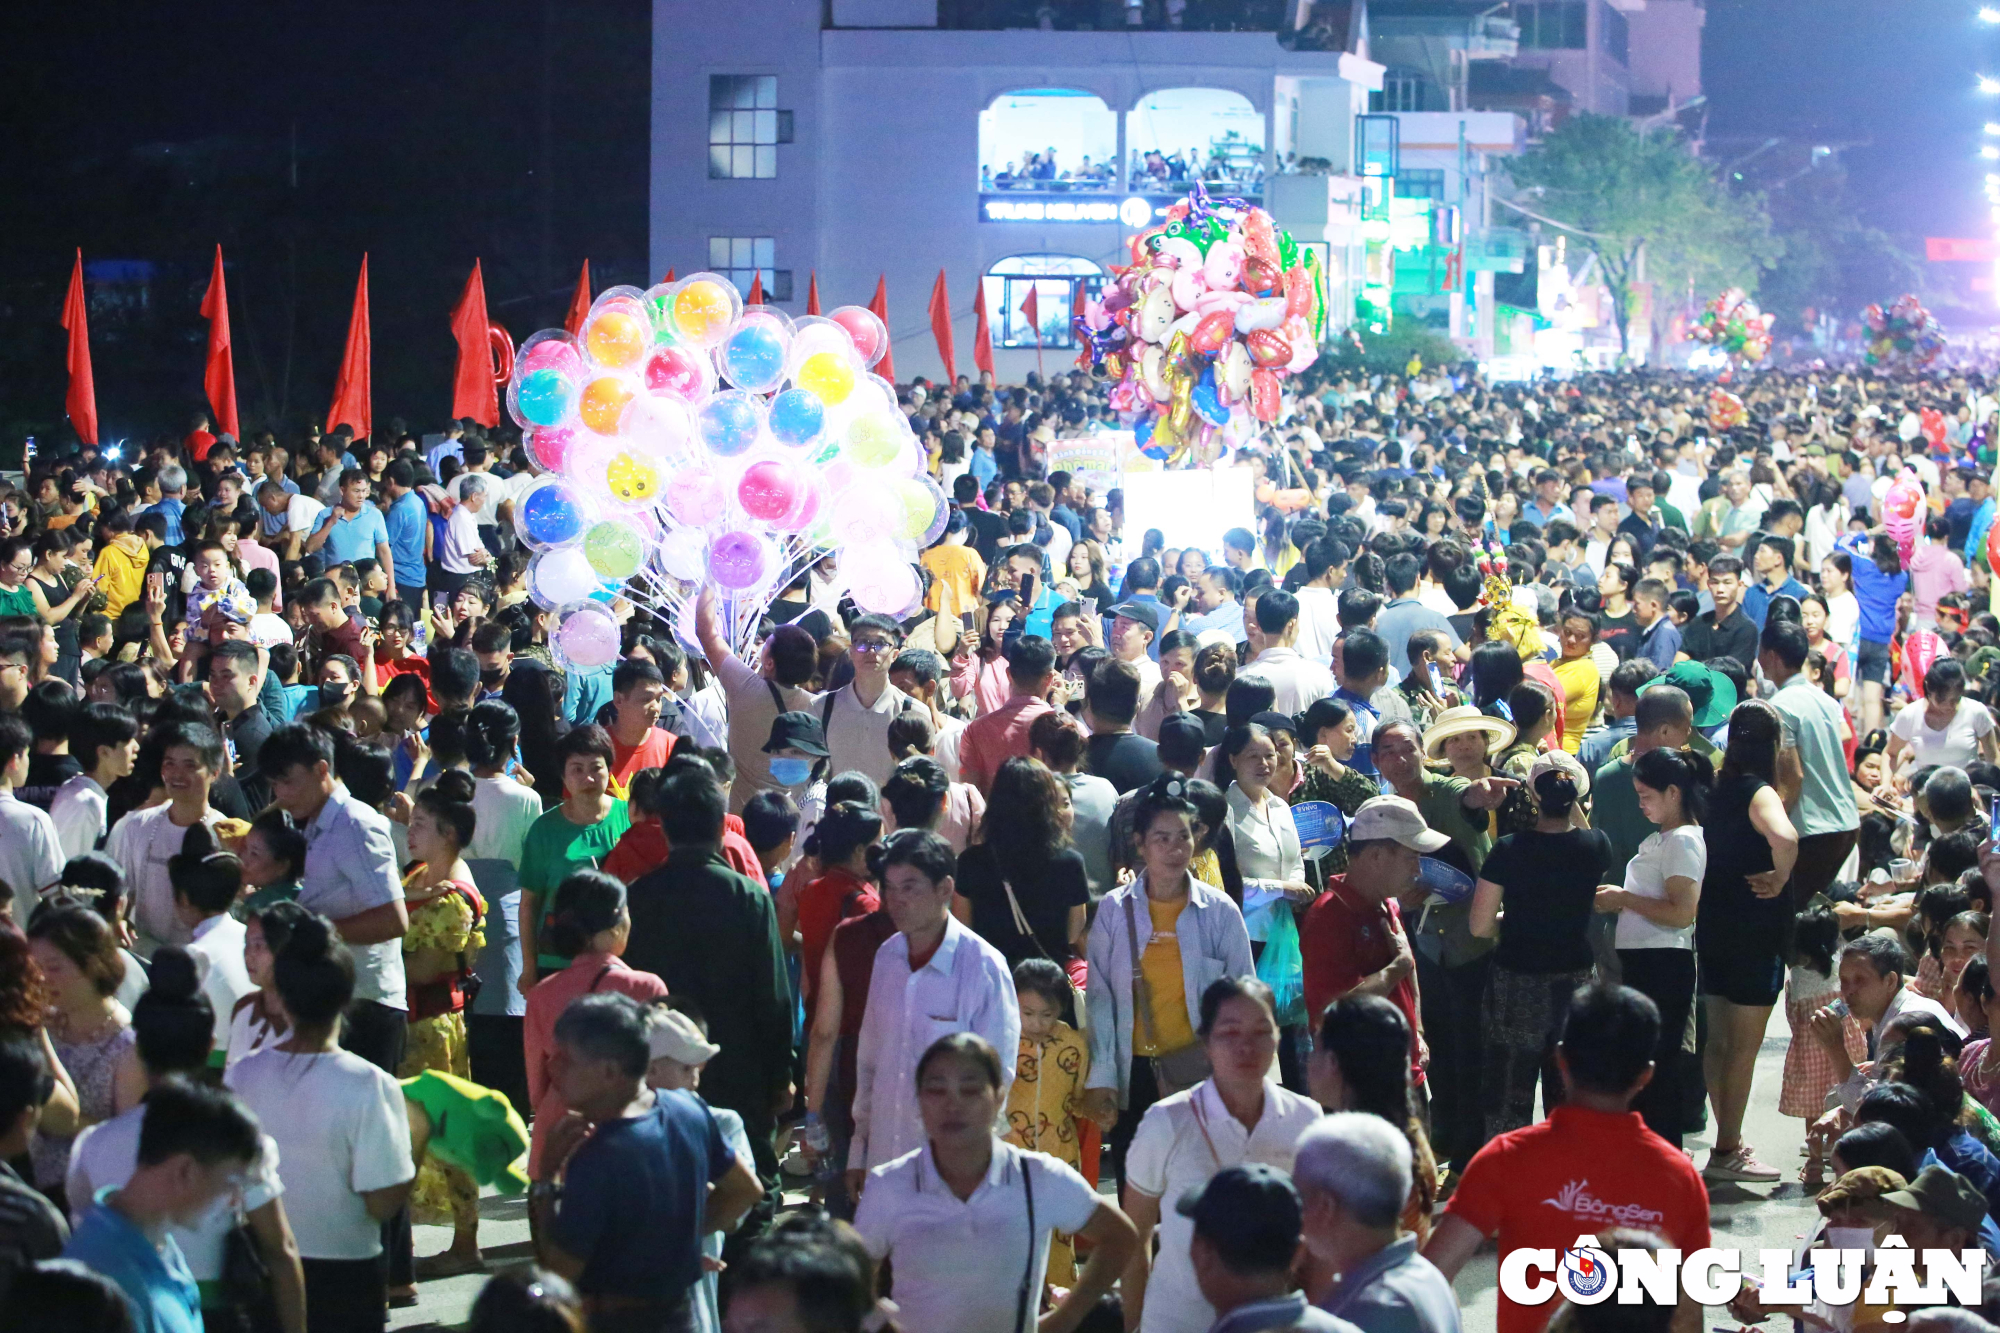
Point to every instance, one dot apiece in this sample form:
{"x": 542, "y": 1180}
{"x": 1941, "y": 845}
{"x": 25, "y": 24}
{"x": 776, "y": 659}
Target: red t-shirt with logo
{"x": 1342, "y": 940}
{"x": 1578, "y": 1173}
{"x": 629, "y": 760}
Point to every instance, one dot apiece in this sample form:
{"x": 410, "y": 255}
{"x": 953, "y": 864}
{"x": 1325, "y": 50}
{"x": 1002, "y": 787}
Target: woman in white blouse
{"x": 504, "y": 809}
{"x": 1260, "y": 822}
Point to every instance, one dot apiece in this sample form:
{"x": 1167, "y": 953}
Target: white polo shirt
{"x": 1171, "y": 1155}
{"x": 959, "y": 1264}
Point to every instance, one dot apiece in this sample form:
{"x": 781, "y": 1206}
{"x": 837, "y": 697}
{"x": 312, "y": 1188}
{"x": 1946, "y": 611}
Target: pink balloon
{"x": 678, "y": 372}
{"x": 696, "y": 498}
{"x": 806, "y": 512}
{"x": 769, "y": 490}
{"x": 879, "y": 579}
{"x": 550, "y": 444}
{"x": 738, "y": 560}
{"x": 862, "y": 326}
{"x": 550, "y": 354}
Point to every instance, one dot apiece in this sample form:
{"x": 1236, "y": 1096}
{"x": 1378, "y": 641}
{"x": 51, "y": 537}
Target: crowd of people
{"x": 1438, "y": 849}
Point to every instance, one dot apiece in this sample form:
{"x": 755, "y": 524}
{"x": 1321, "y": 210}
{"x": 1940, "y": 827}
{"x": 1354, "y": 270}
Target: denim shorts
{"x": 1871, "y": 661}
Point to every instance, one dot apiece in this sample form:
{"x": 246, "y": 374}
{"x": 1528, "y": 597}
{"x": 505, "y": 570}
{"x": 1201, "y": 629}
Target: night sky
{"x": 150, "y": 132}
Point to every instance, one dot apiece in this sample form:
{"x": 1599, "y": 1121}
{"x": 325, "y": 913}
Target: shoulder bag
{"x": 1026, "y": 1307}
{"x": 1174, "y": 1071}
{"x": 1076, "y": 998}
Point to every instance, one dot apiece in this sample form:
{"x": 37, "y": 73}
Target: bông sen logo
{"x": 1891, "y": 1275}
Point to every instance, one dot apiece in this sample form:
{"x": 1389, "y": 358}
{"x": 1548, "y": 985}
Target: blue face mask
{"x": 788, "y": 771}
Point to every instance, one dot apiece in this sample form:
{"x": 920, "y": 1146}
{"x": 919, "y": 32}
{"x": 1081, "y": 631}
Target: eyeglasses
{"x": 873, "y": 646}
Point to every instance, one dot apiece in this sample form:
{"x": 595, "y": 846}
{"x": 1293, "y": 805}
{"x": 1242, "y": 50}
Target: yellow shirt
{"x": 956, "y": 573}
{"x": 1041, "y": 1104}
{"x": 1160, "y": 964}
{"x": 1579, "y": 680}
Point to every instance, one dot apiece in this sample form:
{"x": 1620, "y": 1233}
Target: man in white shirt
{"x": 30, "y": 855}
{"x": 1319, "y": 599}
{"x": 932, "y": 978}
{"x": 856, "y": 716}
{"x": 104, "y": 738}
{"x": 1872, "y": 986}
{"x": 144, "y": 840}
{"x": 1298, "y": 681}
{"x": 1135, "y": 627}
{"x": 289, "y": 518}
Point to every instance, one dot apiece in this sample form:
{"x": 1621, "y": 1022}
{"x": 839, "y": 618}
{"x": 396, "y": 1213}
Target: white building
{"x": 868, "y": 142}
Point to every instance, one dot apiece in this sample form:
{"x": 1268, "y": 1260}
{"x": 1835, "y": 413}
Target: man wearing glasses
{"x": 857, "y": 715}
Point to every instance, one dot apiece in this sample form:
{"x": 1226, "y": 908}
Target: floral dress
{"x": 93, "y": 1066}
{"x": 1042, "y": 1117}
{"x": 450, "y": 922}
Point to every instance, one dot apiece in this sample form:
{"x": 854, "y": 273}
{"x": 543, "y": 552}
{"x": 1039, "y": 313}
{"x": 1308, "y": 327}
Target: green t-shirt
{"x": 553, "y": 849}
{"x": 17, "y": 602}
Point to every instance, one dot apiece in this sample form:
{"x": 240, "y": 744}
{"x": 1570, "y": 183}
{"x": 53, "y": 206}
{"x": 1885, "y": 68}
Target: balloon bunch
{"x": 1732, "y": 324}
{"x": 690, "y": 440}
{"x": 1904, "y": 334}
{"x": 1902, "y": 506}
{"x": 1217, "y": 306}
{"x": 1725, "y": 410}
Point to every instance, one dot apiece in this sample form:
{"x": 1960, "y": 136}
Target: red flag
{"x": 886, "y": 367}
{"x": 1032, "y": 309}
{"x": 812, "y": 294}
{"x": 579, "y": 304}
{"x": 982, "y": 336}
{"x": 353, "y": 392}
{"x": 219, "y": 379}
{"x": 941, "y": 328}
{"x": 756, "y": 296}
{"x": 81, "y": 404}
{"x": 669, "y": 277}
{"x": 473, "y": 392}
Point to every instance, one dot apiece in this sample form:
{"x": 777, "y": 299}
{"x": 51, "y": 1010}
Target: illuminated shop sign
{"x": 1133, "y": 211}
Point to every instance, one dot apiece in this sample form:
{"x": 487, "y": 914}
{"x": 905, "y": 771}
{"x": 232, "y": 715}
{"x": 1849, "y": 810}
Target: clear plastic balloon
{"x": 869, "y": 334}
{"x": 615, "y": 550}
{"x": 544, "y": 396}
{"x": 551, "y": 349}
{"x": 632, "y": 477}
{"x": 587, "y": 637}
{"x": 550, "y": 513}
{"x": 663, "y": 427}
{"x": 873, "y": 441}
{"x": 730, "y": 422}
{"x": 602, "y": 403}
{"x": 683, "y": 553}
{"x": 561, "y": 576}
{"x": 549, "y": 445}
{"x": 696, "y": 498}
{"x": 879, "y": 578}
{"x": 770, "y": 489}
{"x": 829, "y": 376}
{"x": 864, "y": 515}
{"x": 675, "y": 371}
{"x": 703, "y": 308}
{"x": 752, "y": 357}
{"x": 617, "y": 334}
{"x": 797, "y": 418}
{"x": 923, "y": 509}
{"x": 740, "y": 561}
{"x": 808, "y": 510}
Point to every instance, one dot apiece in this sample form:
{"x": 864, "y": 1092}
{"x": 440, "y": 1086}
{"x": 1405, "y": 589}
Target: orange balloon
{"x": 616, "y": 338}
{"x": 702, "y": 310}
{"x": 603, "y": 403}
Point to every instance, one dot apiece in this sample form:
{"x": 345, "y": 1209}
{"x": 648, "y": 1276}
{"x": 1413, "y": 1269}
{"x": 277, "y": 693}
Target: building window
{"x": 740, "y": 258}
{"x": 1060, "y": 283}
{"x": 1617, "y": 36}
{"x": 1402, "y": 90}
{"x": 745, "y": 126}
{"x": 1420, "y": 183}
{"x": 1553, "y": 25}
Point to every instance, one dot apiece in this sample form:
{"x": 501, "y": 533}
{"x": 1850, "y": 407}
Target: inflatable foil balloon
{"x": 1733, "y": 325}
{"x": 1905, "y": 334}
{"x": 1903, "y": 511}
{"x": 1217, "y": 308}
{"x": 1725, "y": 410}
{"x": 688, "y": 440}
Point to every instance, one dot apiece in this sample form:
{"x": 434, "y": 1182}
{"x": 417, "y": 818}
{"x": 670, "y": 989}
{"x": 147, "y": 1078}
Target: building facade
{"x": 891, "y": 139}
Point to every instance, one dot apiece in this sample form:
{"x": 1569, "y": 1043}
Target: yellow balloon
{"x": 829, "y": 375}
{"x": 873, "y": 441}
{"x": 603, "y": 403}
{"x": 616, "y": 338}
{"x": 632, "y": 479}
{"x": 702, "y": 311}
{"x": 916, "y": 507}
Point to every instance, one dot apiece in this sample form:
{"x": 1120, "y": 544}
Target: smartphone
{"x": 1090, "y": 609}
{"x": 1027, "y": 593}
{"x": 1993, "y": 817}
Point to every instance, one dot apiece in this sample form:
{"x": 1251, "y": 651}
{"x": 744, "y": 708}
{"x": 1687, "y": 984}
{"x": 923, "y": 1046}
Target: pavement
{"x": 1749, "y": 1217}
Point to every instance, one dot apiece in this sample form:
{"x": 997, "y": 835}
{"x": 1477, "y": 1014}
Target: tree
{"x": 1646, "y": 208}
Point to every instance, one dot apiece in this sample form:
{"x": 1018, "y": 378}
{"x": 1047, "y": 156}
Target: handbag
{"x": 1173, "y": 1071}
{"x": 246, "y": 1279}
{"x": 1021, "y": 925}
{"x": 1282, "y": 968}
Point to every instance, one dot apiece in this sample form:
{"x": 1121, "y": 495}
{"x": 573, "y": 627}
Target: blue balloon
{"x": 551, "y": 516}
{"x": 754, "y": 356}
{"x": 797, "y": 417}
{"x": 1142, "y": 435}
{"x": 545, "y": 396}
{"x": 729, "y": 423}
{"x": 1207, "y": 402}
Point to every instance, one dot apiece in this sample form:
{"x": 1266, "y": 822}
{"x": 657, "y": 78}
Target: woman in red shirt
{"x": 840, "y": 844}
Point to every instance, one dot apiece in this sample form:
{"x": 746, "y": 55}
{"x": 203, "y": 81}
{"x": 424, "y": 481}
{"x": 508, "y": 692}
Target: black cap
{"x": 1183, "y": 740}
{"x": 1146, "y": 613}
{"x": 1250, "y": 1214}
{"x": 1276, "y": 721}
{"x": 797, "y": 731}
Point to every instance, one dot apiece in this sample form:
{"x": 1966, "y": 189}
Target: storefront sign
{"x": 1133, "y": 211}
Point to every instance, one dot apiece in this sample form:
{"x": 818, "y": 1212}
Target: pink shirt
{"x": 252, "y": 555}
{"x": 987, "y": 684}
{"x": 1935, "y": 571}
{"x": 586, "y": 973}
{"x": 992, "y": 738}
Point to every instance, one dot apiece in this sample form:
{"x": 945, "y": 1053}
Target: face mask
{"x": 790, "y": 772}
{"x": 333, "y": 694}
{"x": 490, "y": 677}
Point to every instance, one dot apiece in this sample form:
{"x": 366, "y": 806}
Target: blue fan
{"x": 1446, "y": 883}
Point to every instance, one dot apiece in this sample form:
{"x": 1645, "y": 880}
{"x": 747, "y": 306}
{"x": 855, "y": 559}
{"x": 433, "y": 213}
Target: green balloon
{"x": 614, "y": 550}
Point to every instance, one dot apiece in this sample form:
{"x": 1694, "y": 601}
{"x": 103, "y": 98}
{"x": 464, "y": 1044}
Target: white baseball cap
{"x": 672, "y": 1035}
{"x": 1397, "y": 819}
{"x": 1563, "y": 762}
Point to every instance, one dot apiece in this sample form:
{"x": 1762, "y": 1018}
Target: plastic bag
{"x": 1282, "y": 968}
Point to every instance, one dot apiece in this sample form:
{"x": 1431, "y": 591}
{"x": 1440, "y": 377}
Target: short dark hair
{"x": 294, "y": 745}
{"x": 1113, "y": 691}
{"x": 1786, "y": 640}
{"x": 1030, "y": 657}
{"x": 318, "y": 592}
{"x": 1363, "y": 653}
{"x": 635, "y": 671}
{"x": 15, "y": 738}
{"x": 1401, "y": 573}
{"x": 769, "y": 818}
{"x": 1609, "y": 1037}
{"x": 208, "y": 1124}
{"x": 692, "y": 806}
{"x": 585, "y": 739}
{"x": 1884, "y": 954}
{"x": 25, "y": 1078}
{"x": 50, "y": 707}
{"x": 1276, "y": 609}
{"x": 1629, "y": 676}
{"x": 607, "y": 1026}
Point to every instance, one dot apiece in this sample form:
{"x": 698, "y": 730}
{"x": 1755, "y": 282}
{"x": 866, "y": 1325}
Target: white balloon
{"x": 684, "y": 553}
{"x": 564, "y": 576}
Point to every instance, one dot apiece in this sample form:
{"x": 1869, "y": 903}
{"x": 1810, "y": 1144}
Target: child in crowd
{"x": 1938, "y": 908}
{"x": 1979, "y": 1010}
{"x": 771, "y": 823}
{"x": 1811, "y": 985}
{"x": 1049, "y": 1076}
{"x": 680, "y": 1047}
